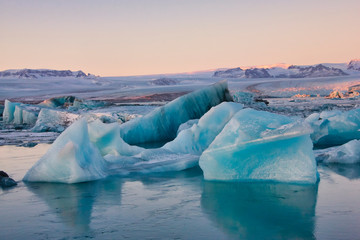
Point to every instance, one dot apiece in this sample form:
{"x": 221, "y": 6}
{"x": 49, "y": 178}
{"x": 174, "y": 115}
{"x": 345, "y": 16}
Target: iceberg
{"x": 347, "y": 153}
{"x": 88, "y": 151}
{"x": 72, "y": 158}
{"x": 9, "y": 109}
{"x": 58, "y": 102}
{"x": 24, "y": 115}
{"x": 18, "y": 113}
{"x": 256, "y": 145}
{"x": 71, "y": 103}
{"x": 51, "y": 120}
{"x": 332, "y": 128}
{"x": 161, "y": 125}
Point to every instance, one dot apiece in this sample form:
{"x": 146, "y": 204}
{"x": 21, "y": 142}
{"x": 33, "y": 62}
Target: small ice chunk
{"x": 347, "y": 153}
{"x": 333, "y": 128}
{"x": 50, "y": 120}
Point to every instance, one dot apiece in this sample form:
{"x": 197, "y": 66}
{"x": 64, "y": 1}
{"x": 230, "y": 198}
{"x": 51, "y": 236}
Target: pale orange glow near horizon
{"x": 119, "y": 38}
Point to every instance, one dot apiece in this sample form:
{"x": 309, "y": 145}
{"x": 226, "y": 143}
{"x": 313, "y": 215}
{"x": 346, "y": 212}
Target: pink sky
{"x": 113, "y": 38}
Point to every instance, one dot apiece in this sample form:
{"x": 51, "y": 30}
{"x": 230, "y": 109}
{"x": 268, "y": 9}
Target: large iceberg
{"x": 232, "y": 143}
{"x": 88, "y": 151}
{"x": 161, "y": 125}
{"x": 257, "y": 145}
{"x": 333, "y": 128}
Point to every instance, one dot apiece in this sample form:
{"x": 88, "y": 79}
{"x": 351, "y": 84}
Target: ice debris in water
{"x": 56, "y": 114}
{"x": 347, "y": 153}
{"x": 256, "y": 145}
{"x": 333, "y": 128}
{"x": 162, "y": 123}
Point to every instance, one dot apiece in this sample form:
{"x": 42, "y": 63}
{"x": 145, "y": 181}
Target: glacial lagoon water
{"x": 177, "y": 205}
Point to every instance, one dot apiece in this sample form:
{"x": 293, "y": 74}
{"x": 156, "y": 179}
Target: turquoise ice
{"x": 19, "y": 113}
{"x": 197, "y": 138}
{"x": 232, "y": 143}
{"x": 333, "y": 128}
{"x": 72, "y": 158}
{"x": 161, "y": 125}
{"x": 258, "y": 146}
{"x": 89, "y": 151}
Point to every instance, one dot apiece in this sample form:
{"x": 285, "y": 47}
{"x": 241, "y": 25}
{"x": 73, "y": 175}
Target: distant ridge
{"x": 291, "y": 71}
{"x": 41, "y": 73}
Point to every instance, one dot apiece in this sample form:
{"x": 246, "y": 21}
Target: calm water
{"x": 177, "y": 205}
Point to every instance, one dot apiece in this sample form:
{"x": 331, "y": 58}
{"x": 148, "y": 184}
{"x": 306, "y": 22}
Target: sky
{"x": 137, "y": 37}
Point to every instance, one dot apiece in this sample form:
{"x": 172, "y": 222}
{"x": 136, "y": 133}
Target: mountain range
{"x": 41, "y": 73}
{"x": 293, "y": 71}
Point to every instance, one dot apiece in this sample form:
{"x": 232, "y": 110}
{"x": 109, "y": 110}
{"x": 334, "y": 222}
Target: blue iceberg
{"x": 230, "y": 142}
{"x": 19, "y": 113}
{"x": 161, "y": 125}
{"x": 332, "y": 128}
{"x": 72, "y": 158}
{"x": 89, "y": 151}
{"x": 256, "y": 145}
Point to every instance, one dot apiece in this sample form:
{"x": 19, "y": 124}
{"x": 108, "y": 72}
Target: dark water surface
{"x": 177, "y": 205}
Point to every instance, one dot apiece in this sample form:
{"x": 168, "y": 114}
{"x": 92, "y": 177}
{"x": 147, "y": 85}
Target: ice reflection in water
{"x": 350, "y": 171}
{"x": 177, "y": 205}
{"x": 261, "y": 210}
{"x": 73, "y": 203}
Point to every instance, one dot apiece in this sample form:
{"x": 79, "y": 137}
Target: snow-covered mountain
{"x": 230, "y": 73}
{"x": 41, "y": 73}
{"x": 354, "y": 65}
{"x": 313, "y": 71}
